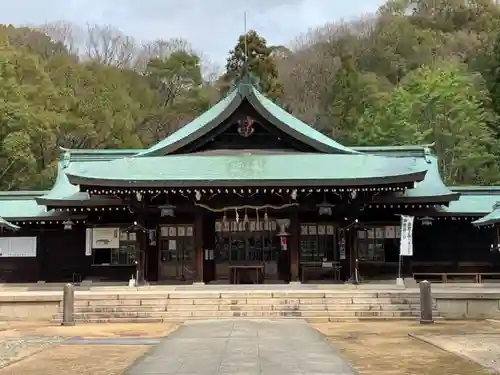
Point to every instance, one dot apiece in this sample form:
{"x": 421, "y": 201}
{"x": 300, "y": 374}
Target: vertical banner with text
{"x": 406, "y": 244}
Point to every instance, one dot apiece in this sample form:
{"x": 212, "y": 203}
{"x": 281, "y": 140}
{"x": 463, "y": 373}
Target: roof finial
{"x": 244, "y": 80}
{"x": 245, "y": 30}
{"x": 244, "y": 69}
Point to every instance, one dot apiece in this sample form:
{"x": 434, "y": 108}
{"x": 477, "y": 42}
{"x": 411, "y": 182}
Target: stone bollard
{"x": 425, "y": 303}
{"x": 68, "y": 305}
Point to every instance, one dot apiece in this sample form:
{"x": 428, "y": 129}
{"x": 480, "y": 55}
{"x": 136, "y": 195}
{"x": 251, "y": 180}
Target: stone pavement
{"x": 250, "y": 347}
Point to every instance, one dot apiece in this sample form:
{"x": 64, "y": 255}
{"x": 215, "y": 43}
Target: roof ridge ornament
{"x": 66, "y": 159}
{"x": 245, "y": 81}
{"x": 428, "y": 153}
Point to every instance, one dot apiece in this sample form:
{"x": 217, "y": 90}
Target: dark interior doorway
{"x": 208, "y": 242}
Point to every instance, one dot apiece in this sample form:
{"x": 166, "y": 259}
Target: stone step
{"x": 299, "y": 307}
{"x": 231, "y": 301}
{"x": 177, "y": 320}
{"x": 95, "y": 296}
{"x": 311, "y": 320}
{"x": 235, "y": 314}
{"x": 243, "y": 296}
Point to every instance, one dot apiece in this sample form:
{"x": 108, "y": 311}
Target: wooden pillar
{"x": 198, "y": 245}
{"x": 142, "y": 245}
{"x": 353, "y": 240}
{"x": 294, "y": 245}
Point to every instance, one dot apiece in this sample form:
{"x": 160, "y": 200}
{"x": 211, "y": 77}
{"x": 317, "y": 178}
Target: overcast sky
{"x": 212, "y": 26}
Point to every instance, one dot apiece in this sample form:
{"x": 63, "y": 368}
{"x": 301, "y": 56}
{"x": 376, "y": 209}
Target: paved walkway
{"x": 243, "y": 348}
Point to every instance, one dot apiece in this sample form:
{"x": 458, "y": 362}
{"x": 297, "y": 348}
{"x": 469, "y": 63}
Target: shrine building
{"x": 247, "y": 193}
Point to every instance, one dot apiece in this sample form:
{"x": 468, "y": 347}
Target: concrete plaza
{"x": 244, "y": 347}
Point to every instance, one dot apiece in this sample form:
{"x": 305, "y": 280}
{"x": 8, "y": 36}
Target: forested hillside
{"x": 417, "y": 72}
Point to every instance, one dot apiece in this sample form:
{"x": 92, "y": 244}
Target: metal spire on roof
{"x": 245, "y": 30}
{"x": 244, "y": 79}
{"x": 244, "y": 74}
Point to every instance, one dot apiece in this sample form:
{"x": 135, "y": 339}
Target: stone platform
{"x": 314, "y": 302}
{"x": 311, "y": 304}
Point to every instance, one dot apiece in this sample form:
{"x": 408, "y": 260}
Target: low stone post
{"x": 425, "y": 303}
{"x": 68, "y": 305}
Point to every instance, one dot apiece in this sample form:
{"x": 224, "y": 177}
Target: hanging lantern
{"x": 325, "y": 208}
{"x": 224, "y": 218}
{"x": 166, "y": 209}
{"x": 245, "y": 218}
{"x": 68, "y": 224}
{"x": 237, "y": 218}
{"x": 426, "y": 221}
{"x": 266, "y": 218}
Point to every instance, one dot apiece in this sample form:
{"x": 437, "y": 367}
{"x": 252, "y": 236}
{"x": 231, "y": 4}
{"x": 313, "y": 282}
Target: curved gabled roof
{"x": 63, "y": 193}
{"x": 265, "y": 107}
{"x": 21, "y": 205}
{"x": 4, "y": 224}
{"x": 248, "y": 169}
{"x": 491, "y": 219}
{"x": 431, "y": 190}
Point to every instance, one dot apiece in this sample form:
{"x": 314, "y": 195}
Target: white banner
{"x": 88, "y": 242}
{"x": 406, "y": 244}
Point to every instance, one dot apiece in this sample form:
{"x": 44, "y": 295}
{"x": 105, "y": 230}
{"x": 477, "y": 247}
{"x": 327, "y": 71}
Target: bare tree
{"x": 211, "y": 70}
{"x": 71, "y": 35}
{"x": 160, "y": 48}
{"x": 307, "y": 71}
{"x": 108, "y": 45}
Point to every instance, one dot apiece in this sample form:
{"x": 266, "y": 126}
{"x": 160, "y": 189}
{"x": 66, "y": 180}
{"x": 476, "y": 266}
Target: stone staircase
{"x": 317, "y": 306}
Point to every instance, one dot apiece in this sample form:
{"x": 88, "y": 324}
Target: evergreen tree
{"x": 252, "y": 53}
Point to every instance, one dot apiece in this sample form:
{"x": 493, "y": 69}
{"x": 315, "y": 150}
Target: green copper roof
{"x": 492, "y": 218}
{"x": 79, "y": 155}
{"x": 265, "y": 107}
{"x": 490, "y": 204}
{"x": 4, "y": 224}
{"x": 293, "y": 126}
{"x": 21, "y": 205}
{"x": 431, "y": 189}
{"x": 63, "y": 193}
{"x": 253, "y": 169}
{"x": 473, "y": 201}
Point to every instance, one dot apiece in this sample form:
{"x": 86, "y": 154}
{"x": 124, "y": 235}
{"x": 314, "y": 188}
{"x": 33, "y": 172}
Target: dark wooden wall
{"x": 60, "y": 253}
{"x": 451, "y": 245}
{"x": 17, "y": 270}
{"x": 454, "y": 246}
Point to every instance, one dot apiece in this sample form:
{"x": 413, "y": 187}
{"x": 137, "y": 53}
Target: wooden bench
{"x": 320, "y": 269}
{"x": 483, "y": 274}
{"x": 444, "y": 276}
{"x": 234, "y": 273}
{"x": 474, "y": 276}
{"x": 432, "y": 275}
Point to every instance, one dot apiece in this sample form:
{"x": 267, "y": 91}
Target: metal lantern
{"x": 167, "y": 210}
{"x": 325, "y": 208}
{"x": 68, "y": 224}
